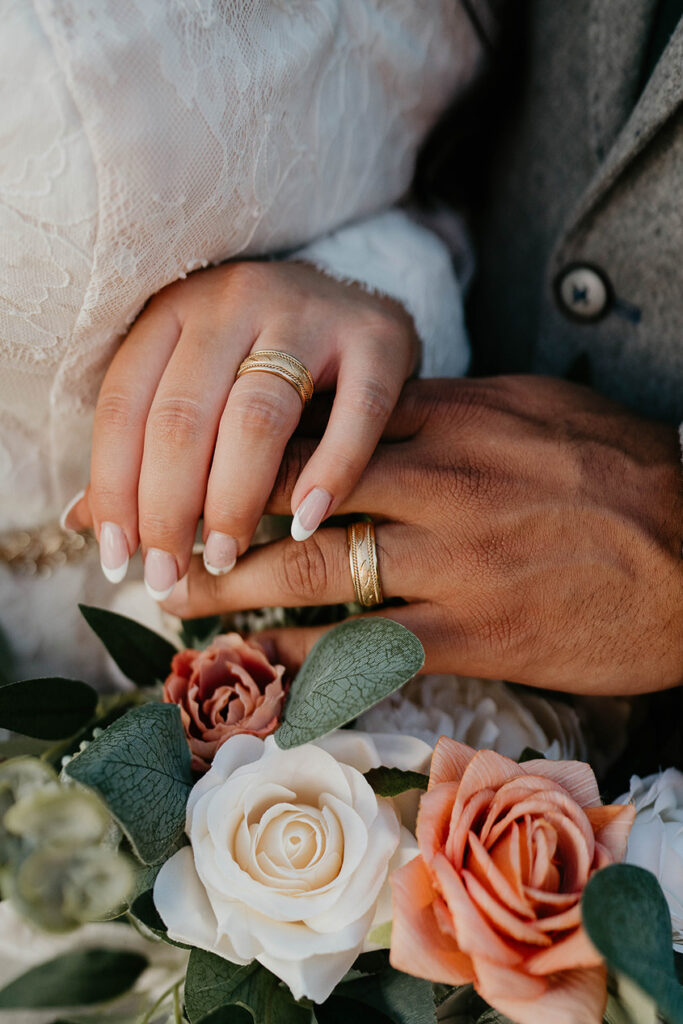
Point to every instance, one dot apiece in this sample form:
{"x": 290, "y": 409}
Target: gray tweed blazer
{"x": 589, "y": 174}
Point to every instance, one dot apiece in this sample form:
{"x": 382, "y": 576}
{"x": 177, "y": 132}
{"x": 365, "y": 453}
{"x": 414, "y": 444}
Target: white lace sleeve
{"x": 393, "y": 255}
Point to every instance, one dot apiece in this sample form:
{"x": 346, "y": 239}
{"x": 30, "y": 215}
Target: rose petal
{"x": 313, "y": 977}
{"x": 612, "y": 825}
{"x": 489, "y": 874}
{"x": 573, "y": 997}
{"x": 433, "y": 819}
{"x": 495, "y": 982}
{"x": 183, "y": 906}
{"x": 502, "y": 918}
{"x": 418, "y": 946}
{"x": 565, "y": 919}
{"x": 574, "y": 833}
{"x": 575, "y": 951}
{"x": 362, "y": 890}
{"x": 461, "y": 823}
{"x": 449, "y": 761}
{"x": 576, "y": 777}
{"x": 407, "y": 851}
{"x": 475, "y": 935}
{"x": 485, "y": 770}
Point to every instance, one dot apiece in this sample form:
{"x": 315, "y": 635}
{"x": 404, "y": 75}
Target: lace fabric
{"x": 143, "y": 139}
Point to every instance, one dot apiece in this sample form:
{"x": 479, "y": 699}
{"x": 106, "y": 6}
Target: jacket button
{"x": 583, "y": 292}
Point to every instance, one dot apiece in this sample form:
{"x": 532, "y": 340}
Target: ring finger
{"x": 260, "y": 416}
{"x": 291, "y": 574}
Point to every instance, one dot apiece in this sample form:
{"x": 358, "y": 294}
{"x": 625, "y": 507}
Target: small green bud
{"x": 61, "y": 889}
{"x": 60, "y": 817}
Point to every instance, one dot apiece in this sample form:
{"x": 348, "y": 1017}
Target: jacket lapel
{"x": 618, "y": 32}
{"x": 660, "y": 98}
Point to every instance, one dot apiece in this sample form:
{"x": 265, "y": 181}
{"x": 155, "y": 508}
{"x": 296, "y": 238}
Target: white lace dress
{"x": 142, "y": 139}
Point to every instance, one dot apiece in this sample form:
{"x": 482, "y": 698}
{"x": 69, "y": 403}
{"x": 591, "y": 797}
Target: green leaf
{"x": 350, "y": 668}
{"x": 140, "y": 766}
{"x": 529, "y": 754}
{"x": 145, "y": 912}
{"x": 213, "y": 984}
{"x": 142, "y": 655}
{"x": 79, "y": 978}
{"x": 393, "y": 781}
{"x": 400, "y": 997}
{"x": 47, "y": 709}
{"x": 627, "y": 919}
{"x": 340, "y": 1010}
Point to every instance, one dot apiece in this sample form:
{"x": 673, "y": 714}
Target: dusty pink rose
{"x": 494, "y": 898}
{"x": 229, "y": 688}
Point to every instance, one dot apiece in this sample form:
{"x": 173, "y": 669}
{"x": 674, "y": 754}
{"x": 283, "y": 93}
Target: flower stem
{"x": 172, "y": 989}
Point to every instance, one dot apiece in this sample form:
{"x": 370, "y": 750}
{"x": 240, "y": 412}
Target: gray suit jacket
{"x": 589, "y": 171}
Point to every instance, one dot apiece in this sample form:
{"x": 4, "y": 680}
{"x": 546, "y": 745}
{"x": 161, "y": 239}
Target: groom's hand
{"x": 533, "y": 527}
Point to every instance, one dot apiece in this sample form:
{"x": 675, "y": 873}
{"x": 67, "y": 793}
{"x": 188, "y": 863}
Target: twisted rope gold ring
{"x": 283, "y": 365}
{"x": 363, "y": 562}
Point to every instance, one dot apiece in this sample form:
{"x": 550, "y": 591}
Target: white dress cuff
{"x": 391, "y": 255}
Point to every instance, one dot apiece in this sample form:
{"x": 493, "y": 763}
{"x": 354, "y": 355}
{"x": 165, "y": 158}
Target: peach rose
{"x": 495, "y": 896}
{"x": 229, "y": 688}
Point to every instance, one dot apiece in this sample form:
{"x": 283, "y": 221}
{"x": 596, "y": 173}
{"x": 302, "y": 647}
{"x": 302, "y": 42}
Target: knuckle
{"x": 261, "y": 414}
{"x": 115, "y": 411}
{"x": 159, "y": 531}
{"x": 177, "y": 422}
{"x": 372, "y": 400}
{"x": 245, "y": 279}
{"x": 303, "y": 570}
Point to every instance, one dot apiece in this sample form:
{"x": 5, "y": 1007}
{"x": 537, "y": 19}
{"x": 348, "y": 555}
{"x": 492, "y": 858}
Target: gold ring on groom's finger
{"x": 363, "y": 562}
{"x": 284, "y": 365}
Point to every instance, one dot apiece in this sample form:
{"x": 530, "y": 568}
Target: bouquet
{"x": 221, "y": 843}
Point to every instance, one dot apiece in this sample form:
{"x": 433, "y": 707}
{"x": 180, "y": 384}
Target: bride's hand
{"x": 176, "y": 436}
{"x": 532, "y": 526}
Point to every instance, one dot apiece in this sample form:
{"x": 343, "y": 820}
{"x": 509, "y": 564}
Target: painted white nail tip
{"x": 298, "y": 532}
{"x": 115, "y": 575}
{"x": 72, "y": 504}
{"x": 215, "y": 570}
{"x": 158, "y": 595}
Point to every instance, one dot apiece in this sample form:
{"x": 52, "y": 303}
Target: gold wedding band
{"x": 283, "y": 365}
{"x": 363, "y": 562}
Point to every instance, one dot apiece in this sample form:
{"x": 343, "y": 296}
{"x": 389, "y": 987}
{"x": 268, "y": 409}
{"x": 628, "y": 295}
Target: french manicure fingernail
{"x": 113, "y": 552}
{"x": 220, "y": 553}
{"x": 64, "y": 518}
{"x": 310, "y": 513}
{"x": 161, "y": 573}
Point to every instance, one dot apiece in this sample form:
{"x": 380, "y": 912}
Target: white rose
{"x": 656, "y": 839}
{"x": 290, "y": 855}
{"x": 483, "y": 713}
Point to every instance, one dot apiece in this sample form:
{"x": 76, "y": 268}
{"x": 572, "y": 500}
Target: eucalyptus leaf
{"x": 145, "y": 913}
{"x": 400, "y": 997}
{"x": 627, "y": 919}
{"x": 394, "y": 781}
{"x": 140, "y": 766}
{"x": 46, "y": 709}
{"x": 494, "y": 1016}
{"x": 141, "y": 654}
{"x": 79, "y": 978}
{"x": 350, "y": 668}
{"x": 340, "y": 1010}
{"x": 529, "y": 754}
{"x": 213, "y": 984}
